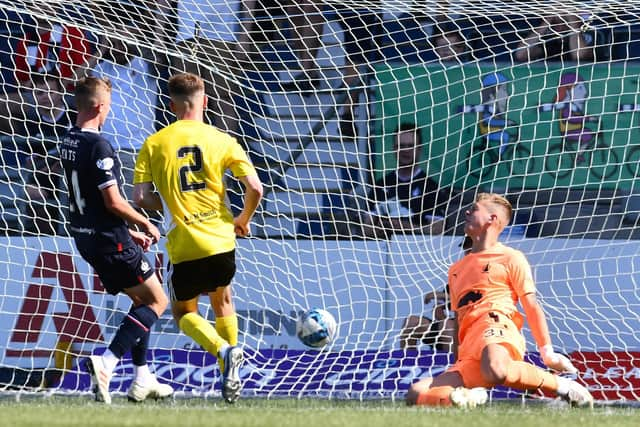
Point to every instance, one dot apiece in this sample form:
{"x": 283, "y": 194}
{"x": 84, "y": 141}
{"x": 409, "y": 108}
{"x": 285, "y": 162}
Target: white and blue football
{"x": 316, "y": 327}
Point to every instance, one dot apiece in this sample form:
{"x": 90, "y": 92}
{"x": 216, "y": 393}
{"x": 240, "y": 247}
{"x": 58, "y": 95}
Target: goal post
{"x": 557, "y": 135}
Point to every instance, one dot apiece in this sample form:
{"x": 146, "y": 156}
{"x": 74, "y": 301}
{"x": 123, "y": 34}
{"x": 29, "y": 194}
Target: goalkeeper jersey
{"x": 491, "y": 280}
{"x": 186, "y": 161}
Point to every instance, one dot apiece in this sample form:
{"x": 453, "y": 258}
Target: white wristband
{"x": 546, "y": 349}
{"x": 548, "y": 355}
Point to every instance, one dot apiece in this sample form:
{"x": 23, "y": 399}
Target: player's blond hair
{"x": 499, "y": 201}
{"x": 89, "y": 92}
{"x": 184, "y": 86}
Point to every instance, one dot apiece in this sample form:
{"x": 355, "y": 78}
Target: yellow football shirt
{"x": 186, "y": 161}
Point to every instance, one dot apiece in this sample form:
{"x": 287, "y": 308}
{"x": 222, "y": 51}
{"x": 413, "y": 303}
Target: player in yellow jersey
{"x": 186, "y": 162}
{"x": 485, "y": 287}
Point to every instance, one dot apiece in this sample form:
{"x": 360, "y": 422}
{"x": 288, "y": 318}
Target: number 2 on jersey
{"x": 195, "y": 166}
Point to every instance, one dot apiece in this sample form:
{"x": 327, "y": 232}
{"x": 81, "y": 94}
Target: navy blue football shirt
{"x": 90, "y": 165}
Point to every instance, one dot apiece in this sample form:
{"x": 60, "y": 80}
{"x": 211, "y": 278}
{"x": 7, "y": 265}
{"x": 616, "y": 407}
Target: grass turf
{"x": 81, "y": 411}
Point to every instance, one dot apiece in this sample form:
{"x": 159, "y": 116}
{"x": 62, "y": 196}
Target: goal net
{"x": 534, "y": 100}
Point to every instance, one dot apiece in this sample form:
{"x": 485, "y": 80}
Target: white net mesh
{"x": 508, "y": 97}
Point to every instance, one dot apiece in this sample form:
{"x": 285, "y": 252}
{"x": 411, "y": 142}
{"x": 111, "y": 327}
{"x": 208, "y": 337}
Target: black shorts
{"x": 120, "y": 270}
{"x": 189, "y": 279}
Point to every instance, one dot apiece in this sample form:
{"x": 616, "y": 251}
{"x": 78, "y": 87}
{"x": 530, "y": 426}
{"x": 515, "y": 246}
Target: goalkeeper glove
{"x": 556, "y": 361}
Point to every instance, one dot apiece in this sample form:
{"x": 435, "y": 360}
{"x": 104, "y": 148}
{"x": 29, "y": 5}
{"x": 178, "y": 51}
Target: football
{"x": 316, "y": 328}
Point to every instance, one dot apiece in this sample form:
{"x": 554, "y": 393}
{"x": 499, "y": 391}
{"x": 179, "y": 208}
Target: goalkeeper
{"x": 186, "y": 162}
{"x": 484, "y": 289}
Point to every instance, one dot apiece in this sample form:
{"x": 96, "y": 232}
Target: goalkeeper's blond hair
{"x": 503, "y": 205}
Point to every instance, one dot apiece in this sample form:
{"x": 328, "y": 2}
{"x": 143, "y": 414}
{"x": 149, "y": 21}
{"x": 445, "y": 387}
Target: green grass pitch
{"x": 81, "y": 411}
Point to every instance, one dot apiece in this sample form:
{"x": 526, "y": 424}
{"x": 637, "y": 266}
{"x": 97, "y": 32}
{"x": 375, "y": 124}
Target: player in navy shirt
{"x": 91, "y": 166}
{"x": 99, "y": 218}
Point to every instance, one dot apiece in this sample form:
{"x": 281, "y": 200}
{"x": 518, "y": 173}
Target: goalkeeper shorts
{"x": 491, "y": 328}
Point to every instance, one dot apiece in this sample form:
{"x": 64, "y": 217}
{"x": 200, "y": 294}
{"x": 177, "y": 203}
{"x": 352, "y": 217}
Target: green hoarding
{"x": 516, "y": 127}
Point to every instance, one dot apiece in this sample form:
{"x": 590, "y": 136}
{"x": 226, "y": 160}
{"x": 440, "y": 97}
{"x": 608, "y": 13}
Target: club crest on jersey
{"x": 105, "y": 164}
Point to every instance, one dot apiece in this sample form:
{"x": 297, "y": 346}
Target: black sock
{"x": 135, "y": 325}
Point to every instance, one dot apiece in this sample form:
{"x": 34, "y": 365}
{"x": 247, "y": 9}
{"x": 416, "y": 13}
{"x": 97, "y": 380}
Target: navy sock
{"x": 139, "y": 351}
{"x": 135, "y": 325}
